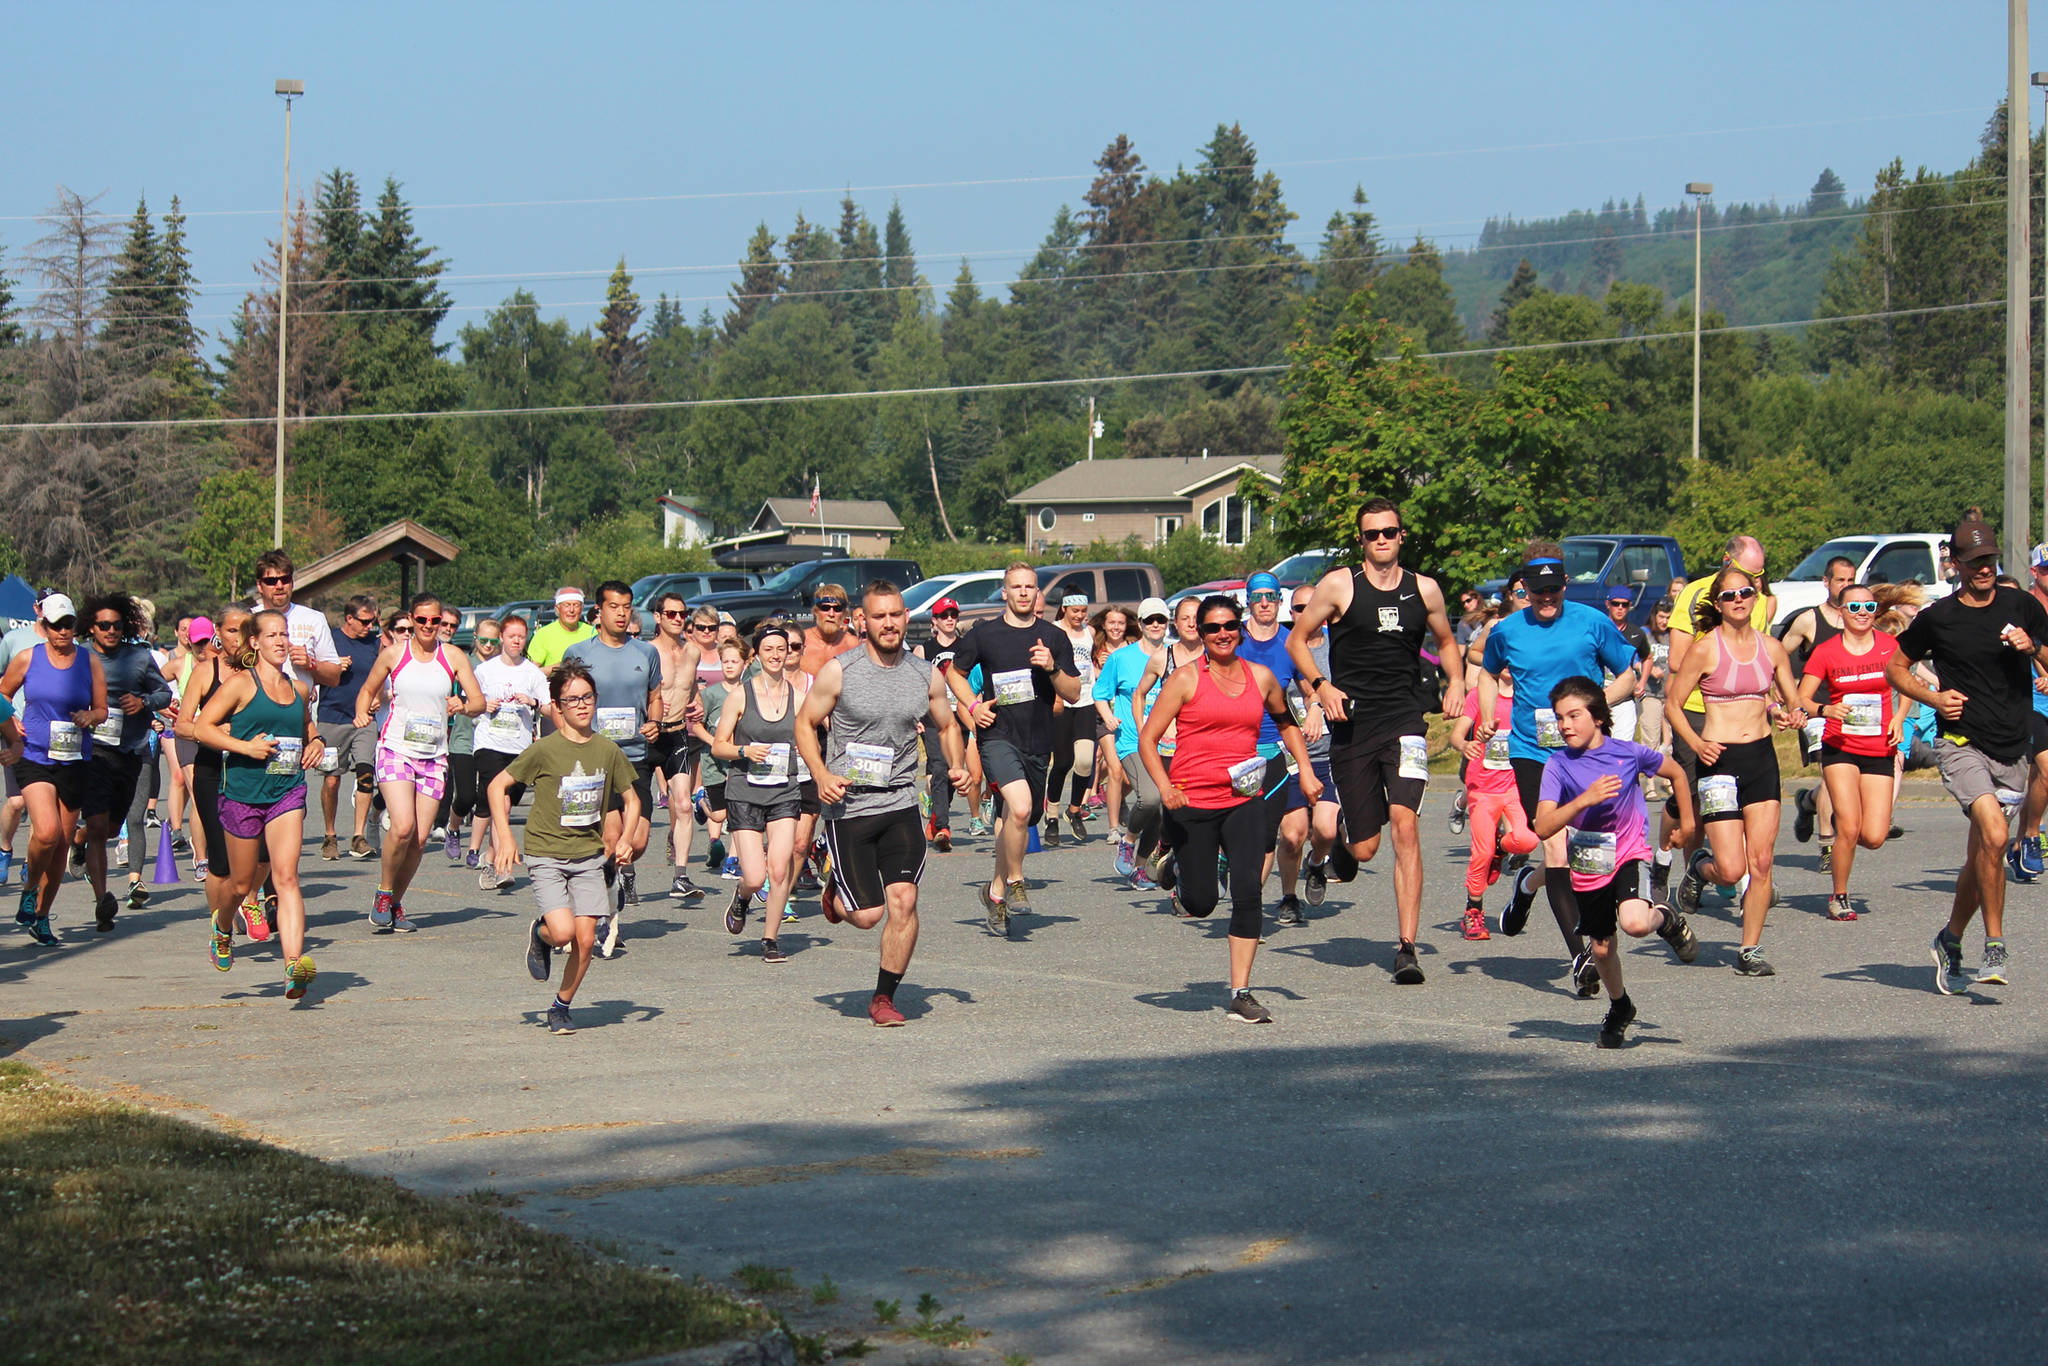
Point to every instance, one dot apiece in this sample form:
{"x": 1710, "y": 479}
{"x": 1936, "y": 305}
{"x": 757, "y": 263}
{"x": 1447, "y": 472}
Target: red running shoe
{"x": 883, "y": 1012}
{"x": 828, "y": 902}
{"x": 1475, "y": 924}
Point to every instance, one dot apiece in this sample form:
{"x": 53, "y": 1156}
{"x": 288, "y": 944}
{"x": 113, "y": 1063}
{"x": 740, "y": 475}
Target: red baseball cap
{"x": 943, "y": 606}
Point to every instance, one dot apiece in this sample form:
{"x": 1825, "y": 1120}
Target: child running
{"x": 1590, "y": 792}
{"x": 573, "y": 774}
{"x": 1491, "y": 801}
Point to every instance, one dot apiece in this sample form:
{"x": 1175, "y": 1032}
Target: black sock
{"x": 560, "y": 1002}
{"x": 1564, "y": 904}
{"x": 886, "y": 982}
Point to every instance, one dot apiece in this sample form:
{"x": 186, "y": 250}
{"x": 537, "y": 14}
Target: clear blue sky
{"x": 518, "y": 102}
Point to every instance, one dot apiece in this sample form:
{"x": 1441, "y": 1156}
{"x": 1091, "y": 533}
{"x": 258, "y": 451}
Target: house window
{"x": 1047, "y": 519}
{"x": 1226, "y": 520}
{"x": 1167, "y": 526}
{"x": 842, "y": 540}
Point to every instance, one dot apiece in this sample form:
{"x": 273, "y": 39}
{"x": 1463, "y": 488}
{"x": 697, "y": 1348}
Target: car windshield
{"x": 918, "y": 594}
{"x": 789, "y": 578}
{"x": 644, "y": 585}
{"x": 1583, "y": 560}
{"x": 1305, "y": 567}
{"x": 1814, "y": 568}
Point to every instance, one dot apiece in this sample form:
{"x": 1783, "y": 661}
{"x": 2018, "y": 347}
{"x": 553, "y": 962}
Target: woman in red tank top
{"x": 1212, "y": 799}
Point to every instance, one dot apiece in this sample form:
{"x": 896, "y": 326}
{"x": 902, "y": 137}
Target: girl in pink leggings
{"x": 1490, "y": 800}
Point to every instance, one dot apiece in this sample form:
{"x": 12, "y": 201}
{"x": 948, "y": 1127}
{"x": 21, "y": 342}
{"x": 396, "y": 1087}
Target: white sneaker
{"x": 608, "y": 941}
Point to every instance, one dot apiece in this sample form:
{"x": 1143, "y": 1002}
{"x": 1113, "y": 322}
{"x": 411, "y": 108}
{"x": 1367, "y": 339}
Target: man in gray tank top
{"x": 875, "y": 697}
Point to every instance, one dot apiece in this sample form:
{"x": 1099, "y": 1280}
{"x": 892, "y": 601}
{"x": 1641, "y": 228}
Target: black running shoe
{"x": 1677, "y": 932}
{"x": 1802, "y": 823}
{"x": 1049, "y": 838}
{"x": 1749, "y": 962}
{"x": 1515, "y": 917}
{"x": 107, "y": 909}
{"x": 1343, "y": 863}
{"x": 1585, "y": 975}
{"x": 1407, "y": 971}
{"x": 771, "y": 952}
{"x": 1315, "y": 883}
{"x": 736, "y": 912}
{"x": 1290, "y": 912}
{"x": 1165, "y": 869}
{"x": 539, "y": 953}
{"x": 138, "y": 896}
{"x": 1244, "y": 1008}
{"x": 1693, "y": 883}
{"x": 1620, "y": 1015}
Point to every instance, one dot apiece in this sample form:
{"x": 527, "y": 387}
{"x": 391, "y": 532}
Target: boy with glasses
{"x": 346, "y": 747}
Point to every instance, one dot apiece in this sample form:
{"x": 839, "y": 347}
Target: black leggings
{"x": 206, "y": 803}
{"x": 1195, "y": 836}
{"x": 461, "y": 788}
{"x": 938, "y": 781}
{"x": 489, "y": 764}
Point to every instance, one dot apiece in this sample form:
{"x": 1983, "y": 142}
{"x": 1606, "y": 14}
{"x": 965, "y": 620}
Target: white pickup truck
{"x": 1888, "y": 558}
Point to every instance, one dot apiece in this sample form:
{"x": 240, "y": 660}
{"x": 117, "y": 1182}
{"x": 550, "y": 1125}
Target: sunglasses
{"x": 1519, "y": 593}
{"x": 1298, "y": 607}
{"x": 486, "y": 642}
{"x": 1860, "y": 608}
{"x": 364, "y": 621}
{"x": 947, "y": 615}
{"x": 1215, "y": 628}
{"x": 675, "y": 613}
{"x": 829, "y": 604}
{"x": 1735, "y": 594}
{"x": 1264, "y": 595}
{"x": 427, "y": 621}
{"x": 272, "y": 580}
{"x": 1379, "y": 533}
{"x": 1152, "y": 621}
{"x": 106, "y": 626}
{"x": 63, "y": 624}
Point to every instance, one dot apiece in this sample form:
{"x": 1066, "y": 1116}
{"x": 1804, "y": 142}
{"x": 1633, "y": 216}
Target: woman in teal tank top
{"x": 261, "y": 723}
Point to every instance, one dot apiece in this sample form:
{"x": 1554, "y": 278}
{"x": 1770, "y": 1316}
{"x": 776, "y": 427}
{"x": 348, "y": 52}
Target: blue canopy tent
{"x": 17, "y": 602}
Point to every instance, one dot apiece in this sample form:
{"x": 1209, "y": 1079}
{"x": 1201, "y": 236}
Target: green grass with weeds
{"x": 764, "y": 1280}
{"x": 947, "y": 1332}
{"x": 155, "y": 1240}
{"x": 825, "y": 1291}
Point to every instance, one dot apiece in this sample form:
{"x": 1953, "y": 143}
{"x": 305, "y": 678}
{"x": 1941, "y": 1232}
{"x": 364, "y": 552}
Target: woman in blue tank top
{"x": 262, "y": 724}
{"x": 64, "y": 696}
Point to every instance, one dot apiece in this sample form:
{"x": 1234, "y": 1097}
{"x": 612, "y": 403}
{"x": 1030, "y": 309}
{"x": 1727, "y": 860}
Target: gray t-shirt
{"x": 1318, "y": 748}
{"x": 873, "y": 739}
{"x": 624, "y": 675}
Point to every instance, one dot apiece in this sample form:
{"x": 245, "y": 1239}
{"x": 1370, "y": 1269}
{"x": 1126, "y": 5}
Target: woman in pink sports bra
{"x": 1736, "y": 667}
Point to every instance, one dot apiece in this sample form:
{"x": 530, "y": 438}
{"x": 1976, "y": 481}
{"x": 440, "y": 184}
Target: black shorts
{"x": 70, "y": 780}
{"x": 489, "y": 764}
{"x": 1753, "y": 764}
{"x": 873, "y": 853}
{"x": 110, "y": 782}
{"x": 714, "y": 797}
{"x": 2038, "y": 731}
{"x": 1002, "y": 762}
{"x": 1869, "y": 765}
{"x": 1688, "y": 761}
{"x": 1528, "y": 784}
{"x": 1368, "y": 778}
{"x": 643, "y": 783}
{"x": 807, "y": 798}
{"x": 1599, "y": 906}
{"x": 746, "y": 815}
{"x": 669, "y": 753}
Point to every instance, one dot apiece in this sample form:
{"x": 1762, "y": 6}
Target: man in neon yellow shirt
{"x": 553, "y": 640}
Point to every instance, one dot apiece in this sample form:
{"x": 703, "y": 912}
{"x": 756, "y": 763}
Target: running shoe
{"x": 699, "y": 807}
{"x": 451, "y": 845}
{"x": 473, "y": 860}
{"x": 298, "y": 975}
{"x": 882, "y": 1012}
{"x": 1660, "y": 883}
{"x": 1693, "y": 883}
{"x": 1620, "y": 1015}
{"x": 1475, "y": 924}
{"x": 104, "y": 910}
{"x": 828, "y": 904}
{"x": 399, "y": 923}
{"x": 39, "y": 930}
{"x": 559, "y": 1021}
{"x": 1749, "y": 962}
{"x": 138, "y": 896}
{"x": 608, "y": 941}
{"x": 151, "y": 821}
{"x": 2017, "y": 864}
{"x": 1947, "y": 950}
{"x": 1992, "y": 974}
{"x": 682, "y": 887}
{"x": 1315, "y": 883}
{"x": 77, "y": 856}
{"x": 806, "y": 882}
{"x": 1020, "y": 895}
{"x": 942, "y": 840}
{"x": 1585, "y": 974}
{"x": 1050, "y": 837}
{"x": 995, "y": 913}
{"x": 715, "y": 856}
{"x": 771, "y": 952}
{"x": 1077, "y": 821}
{"x": 976, "y": 827}
{"x": 223, "y": 950}
{"x": 1141, "y": 881}
{"x": 179, "y": 844}
{"x": 380, "y": 913}
{"x": 1407, "y": 972}
{"x": 1802, "y": 823}
{"x": 1515, "y": 916}
{"x": 736, "y": 913}
{"x": 2029, "y": 848}
{"x": 1458, "y": 814}
{"x": 1677, "y": 932}
{"x": 1126, "y": 860}
{"x": 1244, "y": 1008}
{"x": 729, "y": 867}
{"x": 1289, "y": 913}
{"x": 199, "y": 870}
{"x": 25, "y": 914}
{"x": 489, "y": 880}
{"x": 255, "y": 924}
{"x": 434, "y": 836}
{"x": 330, "y": 848}
{"x": 1839, "y": 907}
{"x": 6, "y": 865}
{"x": 761, "y": 900}
{"x": 539, "y": 953}
{"x": 1161, "y": 868}
{"x": 358, "y": 847}
{"x": 629, "y": 886}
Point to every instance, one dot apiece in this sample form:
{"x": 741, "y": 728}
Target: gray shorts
{"x": 356, "y": 745}
{"x": 570, "y": 884}
{"x": 1969, "y": 773}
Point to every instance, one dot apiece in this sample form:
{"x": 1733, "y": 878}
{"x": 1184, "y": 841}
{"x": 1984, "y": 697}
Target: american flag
{"x": 814, "y": 495}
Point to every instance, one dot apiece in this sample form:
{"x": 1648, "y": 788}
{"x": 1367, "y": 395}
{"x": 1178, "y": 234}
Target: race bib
{"x": 1866, "y": 714}
{"x": 1414, "y": 758}
{"x": 869, "y": 765}
{"x": 67, "y": 743}
{"x": 1497, "y": 753}
{"x": 617, "y": 724}
{"x": 1247, "y": 779}
{"x": 582, "y": 799}
{"x": 1298, "y": 707}
{"x": 285, "y": 759}
{"x": 1547, "y": 733}
{"x": 1717, "y": 795}
{"x": 772, "y": 771}
{"x": 1013, "y": 686}
{"x": 422, "y": 735}
{"x": 1660, "y": 654}
{"x": 330, "y": 759}
{"x": 507, "y": 725}
{"x": 1591, "y": 851}
{"x": 1813, "y": 730}
{"x": 108, "y": 732}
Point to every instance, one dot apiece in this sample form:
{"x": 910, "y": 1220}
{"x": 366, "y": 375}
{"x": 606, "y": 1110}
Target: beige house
{"x": 857, "y": 526}
{"x": 1150, "y": 499}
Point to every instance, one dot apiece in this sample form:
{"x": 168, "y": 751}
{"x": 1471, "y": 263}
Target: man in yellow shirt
{"x": 552, "y": 641}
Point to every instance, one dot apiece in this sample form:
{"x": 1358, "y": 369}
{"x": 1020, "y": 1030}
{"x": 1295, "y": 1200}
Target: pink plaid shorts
{"x": 429, "y": 777}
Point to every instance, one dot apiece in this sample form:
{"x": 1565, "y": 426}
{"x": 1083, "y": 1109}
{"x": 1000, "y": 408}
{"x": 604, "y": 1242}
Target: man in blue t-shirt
{"x": 627, "y": 675}
{"x": 345, "y": 744}
{"x": 1545, "y": 643}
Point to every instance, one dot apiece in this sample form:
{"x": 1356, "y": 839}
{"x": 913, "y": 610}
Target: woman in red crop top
{"x": 1213, "y": 799}
{"x": 1858, "y": 748}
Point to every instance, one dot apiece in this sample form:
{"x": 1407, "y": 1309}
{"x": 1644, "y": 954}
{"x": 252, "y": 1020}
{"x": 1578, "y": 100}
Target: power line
{"x": 927, "y": 391}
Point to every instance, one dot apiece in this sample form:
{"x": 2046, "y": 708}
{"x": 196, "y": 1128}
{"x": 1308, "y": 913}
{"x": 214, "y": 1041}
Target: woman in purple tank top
{"x": 64, "y": 696}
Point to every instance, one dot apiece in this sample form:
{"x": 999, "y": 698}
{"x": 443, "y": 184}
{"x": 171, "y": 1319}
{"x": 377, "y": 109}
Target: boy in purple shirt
{"x": 1592, "y": 791}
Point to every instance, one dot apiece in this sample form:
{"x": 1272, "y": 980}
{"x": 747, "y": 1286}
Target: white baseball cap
{"x": 56, "y": 607}
{"x": 1153, "y": 607}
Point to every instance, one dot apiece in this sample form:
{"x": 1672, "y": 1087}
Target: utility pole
{"x": 2019, "y": 370}
{"x": 288, "y": 91}
{"x": 1699, "y": 190}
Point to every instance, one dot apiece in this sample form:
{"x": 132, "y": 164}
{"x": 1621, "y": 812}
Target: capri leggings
{"x": 1073, "y": 751}
{"x": 1239, "y": 832}
{"x": 1141, "y": 805}
{"x": 206, "y": 804}
{"x": 462, "y": 790}
{"x": 1484, "y": 810}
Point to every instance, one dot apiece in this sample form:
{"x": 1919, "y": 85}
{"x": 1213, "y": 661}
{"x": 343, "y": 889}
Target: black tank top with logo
{"x": 1376, "y": 655}
{"x": 1823, "y": 632}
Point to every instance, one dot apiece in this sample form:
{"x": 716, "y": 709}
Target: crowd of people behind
{"x": 1218, "y": 743}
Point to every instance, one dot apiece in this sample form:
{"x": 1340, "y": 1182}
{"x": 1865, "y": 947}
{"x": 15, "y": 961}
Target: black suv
{"x": 788, "y": 594}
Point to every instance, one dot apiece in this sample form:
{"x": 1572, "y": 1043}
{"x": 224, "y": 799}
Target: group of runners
{"x": 1226, "y": 745}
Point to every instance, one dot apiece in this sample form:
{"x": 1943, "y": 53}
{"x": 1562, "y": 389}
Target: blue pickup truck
{"x": 1645, "y": 565}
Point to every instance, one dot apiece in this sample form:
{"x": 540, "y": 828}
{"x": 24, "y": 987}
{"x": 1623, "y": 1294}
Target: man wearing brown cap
{"x": 1982, "y": 640}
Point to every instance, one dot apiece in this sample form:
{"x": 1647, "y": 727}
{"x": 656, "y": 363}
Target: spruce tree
{"x": 131, "y": 340}
{"x": 11, "y": 334}
{"x": 761, "y": 279}
{"x": 861, "y": 303}
{"x": 1519, "y": 288}
{"x": 622, "y": 354}
{"x": 1350, "y": 257}
{"x": 399, "y": 270}
{"x": 338, "y": 230}
{"x": 901, "y": 268}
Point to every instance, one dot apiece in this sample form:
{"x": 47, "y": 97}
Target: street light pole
{"x": 1699, "y": 190}
{"x": 288, "y": 91}
{"x": 2040, "y": 81}
{"x": 2019, "y": 270}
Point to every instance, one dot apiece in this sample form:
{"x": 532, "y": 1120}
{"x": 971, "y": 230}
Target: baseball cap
{"x": 2040, "y": 555}
{"x": 1262, "y": 582}
{"x": 1153, "y": 607}
{"x": 1973, "y": 541}
{"x": 201, "y": 629}
{"x": 1619, "y": 592}
{"x": 1543, "y": 576}
{"x": 571, "y": 594}
{"x": 56, "y": 607}
{"x": 943, "y": 606}
{"x": 726, "y": 619}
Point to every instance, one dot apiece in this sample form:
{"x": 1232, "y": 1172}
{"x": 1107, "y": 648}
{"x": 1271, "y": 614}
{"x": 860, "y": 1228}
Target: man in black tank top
{"x": 1375, "y": 699}
{"x": 1806, "y": 632}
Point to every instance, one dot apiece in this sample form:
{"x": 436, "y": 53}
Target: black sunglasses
{"x": 1211, "y": 628}
{"x": 829, "y": 604}
{"x": 1152, "y": 621}
{"x": 1379, "y": 533}
{"x": 114, "y": 625}
{"x": 63, "y": 624}
{"x": 948, "y": 614}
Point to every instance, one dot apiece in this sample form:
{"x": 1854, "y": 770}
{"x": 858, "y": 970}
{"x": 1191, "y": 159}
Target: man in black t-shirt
{"x": 1982, "y": 640}
{"x": 1024, "y": 663}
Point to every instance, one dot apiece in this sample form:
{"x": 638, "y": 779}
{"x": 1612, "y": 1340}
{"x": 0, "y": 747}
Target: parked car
{"x": 1108, "y": 581}
{"x": 1233, "y": 588}
{"x": 1308, "y": 566}
{"x": 788, "y": 594}
{"x": 975, "y": 586}
{"x": 1646, "y": 565}
{"x": 1879, "y": 558}
{"x": 693, "y": 585}
{"x": 465, "y": 626}
{"x": 537, "y": 611}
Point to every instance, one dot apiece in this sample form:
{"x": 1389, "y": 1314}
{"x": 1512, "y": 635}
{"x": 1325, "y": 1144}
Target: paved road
{"x": 1068, "y": 1146}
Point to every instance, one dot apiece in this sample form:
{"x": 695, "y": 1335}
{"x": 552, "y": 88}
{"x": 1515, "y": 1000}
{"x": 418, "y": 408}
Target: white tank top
{"x": 418, "y": 724}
